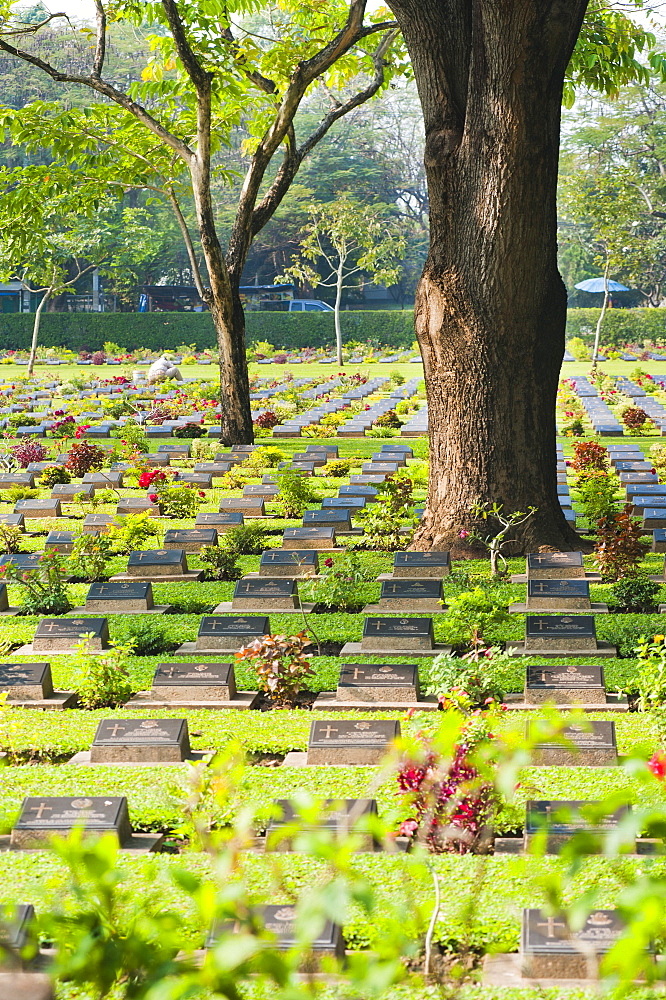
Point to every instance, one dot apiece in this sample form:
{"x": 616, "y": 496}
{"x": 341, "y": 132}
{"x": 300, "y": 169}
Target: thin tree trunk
{"x": 336, "y": 315}
{"x": 490, "y": 310}
{"x": 35, "y": 331}
{"x": 600, "y": 321}
{"x": 228, "y": 318}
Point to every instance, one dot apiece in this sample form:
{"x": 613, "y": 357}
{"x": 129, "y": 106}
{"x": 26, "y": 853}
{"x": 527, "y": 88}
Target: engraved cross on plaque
{"x": 328, "y": 730}
{"x": 42, "y": 808}
{"x": 551, "y": 924}
{"x": 116, "y": 729}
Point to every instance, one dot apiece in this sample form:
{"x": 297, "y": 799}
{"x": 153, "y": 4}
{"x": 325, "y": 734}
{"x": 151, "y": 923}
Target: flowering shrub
{"x": 619, "y": 548}
{"x": 84, "y": 457}
{"x": 150, "y": 476}
{"x": 579, "y": 349}
{"x": 28, "y": 451}
{"x": 98, "y": 358}
{"x": 65, "y": 428}
{"x": 55, "y": 475}
{"x": 658, "y": 457}
{"x": 90, "y": 555}
{"x": 177, "y": 499}
{"x": 45, "y": 590}
{"x": 133, "y": 440}
{"x": 589, "y": 455}
{"x": 643, "y": 378}
{"x": 471, "y": 681}
{"x": 337, "y": 587}
{"x": 452, "y": 803}
{"x": 317, "y": 431}
{"x": 657, "y": 764}
{"x": 281, "y": 665}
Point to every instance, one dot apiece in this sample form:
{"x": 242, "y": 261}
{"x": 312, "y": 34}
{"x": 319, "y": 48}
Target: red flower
{"x": 152, "y": 497}
{"x": 657, "y": 764}
{"x": 328, "y": 563}
{"x": 464, "y": 534}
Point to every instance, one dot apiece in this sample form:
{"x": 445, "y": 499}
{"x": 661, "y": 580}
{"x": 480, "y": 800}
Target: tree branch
{"x": 187, "y": 237}
{"x": 108, "y": 90}
{"x": 258, "y": 79}
{"x": 251, "y": 218}
{"x": 32, "y": 29}
{"x": 285, "y": 175}
{"x": 197, "y": 74}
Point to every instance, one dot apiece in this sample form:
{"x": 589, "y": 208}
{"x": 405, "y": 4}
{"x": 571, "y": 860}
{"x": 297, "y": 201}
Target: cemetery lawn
{"x": 307, "y": 370}
{"x": 484, "y": 895}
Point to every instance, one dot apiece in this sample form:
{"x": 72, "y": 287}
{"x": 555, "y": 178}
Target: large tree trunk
{"x": 491, "y": 306}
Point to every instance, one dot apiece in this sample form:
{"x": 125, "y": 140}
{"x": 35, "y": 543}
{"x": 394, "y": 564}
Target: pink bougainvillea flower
{"x": 464, "y": 534}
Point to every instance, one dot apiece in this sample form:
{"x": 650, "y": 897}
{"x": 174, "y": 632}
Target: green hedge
{"x": 166, "y": 331}
{"x": 621, "y": 326}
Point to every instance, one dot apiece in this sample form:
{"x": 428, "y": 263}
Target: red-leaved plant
{"x": 619, "y": 548}
{"x": 84, "y": 457}
{"x": 267, "y": 419}
{"x": 28, "y": 451}
{"x": 589, "y": 455}
{"x": 452, "y": 802}
{"x": 281, "y": 665}
{"x": 634, "y": 418}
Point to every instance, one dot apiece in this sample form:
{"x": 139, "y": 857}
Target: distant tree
{"x": 347, "y": 238}
{"x": 55, "y": 228}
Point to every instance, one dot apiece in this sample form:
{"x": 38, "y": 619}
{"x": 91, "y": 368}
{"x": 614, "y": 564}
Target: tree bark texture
{"x": 491, "y": 306}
